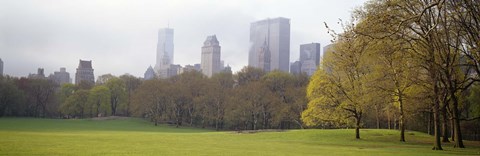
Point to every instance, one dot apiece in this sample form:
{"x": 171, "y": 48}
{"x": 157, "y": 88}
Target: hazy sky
{"x": 120, "y": 36}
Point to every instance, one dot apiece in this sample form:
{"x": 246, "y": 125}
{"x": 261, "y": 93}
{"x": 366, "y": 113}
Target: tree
{"x": 131, "y": 83}
{"x": 76, "y": 104}
{"x": 98, "y": 100}
{"x": 66, "y": 90}
{"x": 188, "y": 86}
{"x": 221, "y": 85}
{"x": 254, "y": 101}
{"x": 347, "y": 69}
{"x": 248, "y": 74}
{"x": 103, "y": 79}
{"x": 421, "y": 24}
{"x": 11, "y": 98}
{"x": 151, "y": 100}
{"x": 117, "y": 93}
{"x": 41, "y": 93}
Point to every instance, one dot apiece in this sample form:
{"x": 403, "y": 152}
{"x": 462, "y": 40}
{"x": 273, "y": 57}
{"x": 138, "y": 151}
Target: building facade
{"x": 84, "y": 72}
{"x": 276, "y": 33}
{"x": 211, "y": 62}
{"x": 61, "y": 77}
{"x": 165, "y": 52}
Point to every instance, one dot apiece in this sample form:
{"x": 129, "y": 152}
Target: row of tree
{"x": 36, "y": 97}
{"x": 250, "y": 99}
{"x": 407, "y": 58}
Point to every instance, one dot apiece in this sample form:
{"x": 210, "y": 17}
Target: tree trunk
{"x": 394, "y": 122}
{"x": 357, "y": 128}
{"x": 377, "y": 116}
{"x": 452, "y": 129}
{"x": 429, "y": 123}
{"x": 402, "y": 121}
{"x": 456, "y": 122}
{"x": 436, "y": 144}
{"x": 445, "y": 125}
{"x": 389, "y": 120}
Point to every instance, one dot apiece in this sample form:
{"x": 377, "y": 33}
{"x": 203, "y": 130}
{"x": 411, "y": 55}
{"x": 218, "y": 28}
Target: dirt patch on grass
{"x": 258, "y": 131}
{"x": 109, "y": 118}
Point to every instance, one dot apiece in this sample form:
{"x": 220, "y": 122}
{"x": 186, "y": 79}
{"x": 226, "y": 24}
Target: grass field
{"x": 27, "y": 136}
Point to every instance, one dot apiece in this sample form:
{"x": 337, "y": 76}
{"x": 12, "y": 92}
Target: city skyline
{"x": 65, "y": 32}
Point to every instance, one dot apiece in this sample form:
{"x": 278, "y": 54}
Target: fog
{"x": 120, "y": 36}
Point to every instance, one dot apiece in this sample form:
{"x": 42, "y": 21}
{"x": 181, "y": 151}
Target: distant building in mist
{"x": 228, "y": 69}
{"x": 1, "y": 67}
{"x": 327, "y": 49}
{"x": 39, "y": 75}
{"x": 61, "y": 77}
{"x": 309, "y": 58}
{"x": 149, "y": 74}
{"x": 84, "y": 72}
{"x": 275, "y": 35}
{"x": 174, "y": 70}
{"x": 295, "y": 67}
{"x": 165, "y": 52}
{"x": 195, "y": 67}
{"x": 210, "y": 61}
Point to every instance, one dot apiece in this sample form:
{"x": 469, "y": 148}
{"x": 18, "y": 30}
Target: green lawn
{"x": 27, "y": 136}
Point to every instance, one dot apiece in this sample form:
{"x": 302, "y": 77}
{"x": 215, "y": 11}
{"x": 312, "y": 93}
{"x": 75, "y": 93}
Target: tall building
{"x": 164, "y": 52}
{"x": 309, "y": 57}
{"x": 84, "y": 72}
{"x": 276, "y": 34}
{"x": 61, "y": 77}
{"x": 149, "y": 74}
{"x": 1, "y": 67}
{"x": 211, "y": 62}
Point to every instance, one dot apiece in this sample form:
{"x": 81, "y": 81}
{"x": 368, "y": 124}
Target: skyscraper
{"x": 1, "y": 67}
{"x": 309, "y": 57}
{"x": 276, "y": 34}
{"x": 84, "y": 72}
{"x": 211, "y": 62}
{"x": 164, "y": 51}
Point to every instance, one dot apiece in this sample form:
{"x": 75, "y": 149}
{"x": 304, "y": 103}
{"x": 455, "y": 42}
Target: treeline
{"x": 413, "y": 63}
{"x": 247, "y": 100}
{"x": 37, "y": 97}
